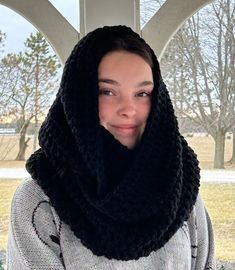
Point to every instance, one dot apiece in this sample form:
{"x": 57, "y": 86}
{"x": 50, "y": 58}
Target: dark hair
{"x": 133, "y": 45}
{"x": 102, "y": 41}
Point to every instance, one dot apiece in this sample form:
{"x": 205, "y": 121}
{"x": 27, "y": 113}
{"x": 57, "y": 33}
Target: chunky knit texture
{"x": 38, "y": 240}
{"x": 124, "y": 217}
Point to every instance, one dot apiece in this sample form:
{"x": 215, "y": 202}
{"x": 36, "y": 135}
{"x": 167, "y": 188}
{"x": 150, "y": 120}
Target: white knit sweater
{"x": 39, "y": 240}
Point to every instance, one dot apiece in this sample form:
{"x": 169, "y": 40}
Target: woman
{"x": 114, "y": 184}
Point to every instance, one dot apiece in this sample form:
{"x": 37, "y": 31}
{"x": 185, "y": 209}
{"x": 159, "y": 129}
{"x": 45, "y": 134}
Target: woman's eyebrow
{"x": 111, "y": 81}
{"x": 144, "y": 83}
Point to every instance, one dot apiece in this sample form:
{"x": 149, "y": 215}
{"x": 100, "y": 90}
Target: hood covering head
{"x": 121, "y": 204}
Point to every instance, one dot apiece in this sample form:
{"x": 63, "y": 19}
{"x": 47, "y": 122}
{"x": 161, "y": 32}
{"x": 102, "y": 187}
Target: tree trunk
{"x": 36, "y": 105}
{"x": 232, "y": 160}
{"x": 219, "y": 150}
{"x": 23, "y": 144}
{"x": 35, "y": 139}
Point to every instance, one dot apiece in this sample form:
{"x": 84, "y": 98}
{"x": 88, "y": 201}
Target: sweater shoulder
{"x": 29, "y": 192}
{"x": 30, "y": 204}
{"x": 33, "y": 226}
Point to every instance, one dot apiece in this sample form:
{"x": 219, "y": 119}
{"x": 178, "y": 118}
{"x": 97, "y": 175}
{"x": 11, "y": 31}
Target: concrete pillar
{"x": 45, "y": 17}
{"x": 95, "y": 14}
{"x": 169, "y": 18}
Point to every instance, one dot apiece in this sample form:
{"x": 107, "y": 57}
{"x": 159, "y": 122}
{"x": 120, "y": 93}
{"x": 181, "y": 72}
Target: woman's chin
{"x": 130, "y": 143}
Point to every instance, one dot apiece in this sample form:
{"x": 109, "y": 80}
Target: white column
{"x": 95, "y": 14}
{"x": 169, "y": 18}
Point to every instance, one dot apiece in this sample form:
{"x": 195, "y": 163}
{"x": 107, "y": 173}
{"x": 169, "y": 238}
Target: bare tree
{"x": 202, "y": 77}
{"x": 42, "y": 67}
{"x": 2, "y": 40}
{"x": 29, "y": 81}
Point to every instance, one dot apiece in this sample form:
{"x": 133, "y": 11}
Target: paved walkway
{"x": 218, "y": 176}
{"x": 19, "y": 173}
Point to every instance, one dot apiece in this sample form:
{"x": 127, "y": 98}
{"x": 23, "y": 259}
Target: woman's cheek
{"x": 104, "y": 112}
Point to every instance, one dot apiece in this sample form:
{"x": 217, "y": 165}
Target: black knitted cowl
{"x": 120, "y": 203}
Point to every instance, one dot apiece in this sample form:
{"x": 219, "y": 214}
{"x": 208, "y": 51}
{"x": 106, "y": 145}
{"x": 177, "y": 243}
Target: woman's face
{"x": 125, "y": 86}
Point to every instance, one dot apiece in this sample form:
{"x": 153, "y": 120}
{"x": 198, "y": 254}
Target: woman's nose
{"x": 126, "y": 108}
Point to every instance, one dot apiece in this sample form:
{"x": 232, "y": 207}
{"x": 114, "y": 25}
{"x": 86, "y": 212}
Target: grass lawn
{"x": 7, "y": 189}
{"x": 219, "y": 200}
{"x": 203, "y": 146}
{"x": 9, "y": 146}
{"x": 220, "y": 203}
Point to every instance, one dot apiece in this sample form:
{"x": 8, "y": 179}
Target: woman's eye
{"x": 105, "y": 92}
{"x": 144, "y": 94}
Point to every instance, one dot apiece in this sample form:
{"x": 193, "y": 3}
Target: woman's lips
{"x": 125, "y": 129}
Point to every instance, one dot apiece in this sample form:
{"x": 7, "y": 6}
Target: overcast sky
{"x": 18, "y": 28}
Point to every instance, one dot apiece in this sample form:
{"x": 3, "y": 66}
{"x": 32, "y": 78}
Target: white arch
{"x": 166, "y": 22}
{"x": 44, "y": 16}
{"x": 62, "y": 36}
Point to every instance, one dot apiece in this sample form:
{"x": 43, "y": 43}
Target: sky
{"x": 18, "y": 29}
